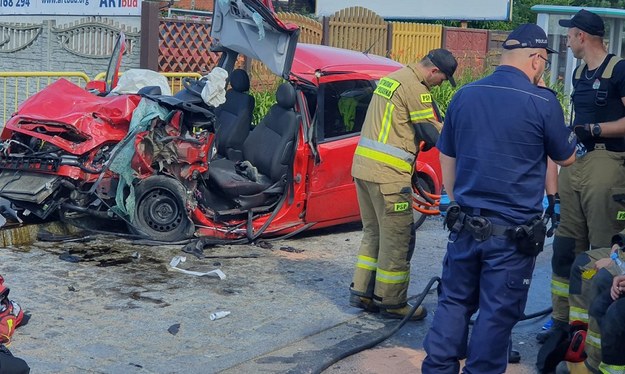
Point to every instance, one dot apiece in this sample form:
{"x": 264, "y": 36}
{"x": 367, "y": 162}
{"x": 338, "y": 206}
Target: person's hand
{"x": 583, "y": 132}
{"x": 603, "y": 263}
{"x": 618, "y": 287}
{"x": 552, "y": 213}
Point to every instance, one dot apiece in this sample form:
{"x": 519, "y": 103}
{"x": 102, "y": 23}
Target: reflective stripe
{"x": 559, "y": 288}
{"x": 593, "y": 338}
{"x": 611, "y": 369}
{"x": 387, "y": 121}
{"x": 386, "y": 148}
{"x": 367, "y": 263}
{"x": 421, "y": 114}
{"x": 392, "y": 277}
{"x": 578, "y": 314}
{"x": 383, "y": 158}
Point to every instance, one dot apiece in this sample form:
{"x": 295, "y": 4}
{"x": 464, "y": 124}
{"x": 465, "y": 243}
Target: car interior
{"x": 259, "y": 177}
{"x": 234, "y": 117}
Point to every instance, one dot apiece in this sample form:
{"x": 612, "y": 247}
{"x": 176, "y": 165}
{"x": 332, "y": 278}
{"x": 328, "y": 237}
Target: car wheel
{"x": 419, "y": 217}
{"x": 160, "y": 210}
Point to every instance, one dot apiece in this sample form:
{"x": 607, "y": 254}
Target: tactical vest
{"x": 608, "y": 104}
{"x": 603, "y": 112}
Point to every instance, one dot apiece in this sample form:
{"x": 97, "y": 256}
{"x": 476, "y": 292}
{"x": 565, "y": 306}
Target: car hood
{"x": 251, "y": 28}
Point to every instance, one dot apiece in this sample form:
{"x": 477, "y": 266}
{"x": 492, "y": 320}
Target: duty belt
{"x": 605, "y": 147}
{"x": 481, "y": 228}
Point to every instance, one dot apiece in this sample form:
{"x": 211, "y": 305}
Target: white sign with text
{"x": 71, "y": 7}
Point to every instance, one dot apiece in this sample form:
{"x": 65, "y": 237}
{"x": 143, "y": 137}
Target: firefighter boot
{"x": 555, "y": 328}
{"x": 364, "y": 303}
{"x": 565, "y": 367}
{"x": 400, "y": 313}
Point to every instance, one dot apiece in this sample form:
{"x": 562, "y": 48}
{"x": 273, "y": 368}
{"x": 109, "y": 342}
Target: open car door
{"x": 250, "y": 28}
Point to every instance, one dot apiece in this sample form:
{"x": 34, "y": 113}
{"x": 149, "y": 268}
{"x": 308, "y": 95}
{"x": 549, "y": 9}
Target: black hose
{"x": 383, "y": 337}
{"x": 540, "y": 313}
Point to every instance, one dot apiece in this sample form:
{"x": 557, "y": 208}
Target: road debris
{"x": 173, "y": 264}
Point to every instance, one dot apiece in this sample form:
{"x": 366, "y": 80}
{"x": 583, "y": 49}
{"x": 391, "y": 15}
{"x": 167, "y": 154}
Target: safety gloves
{"x": 587, "y": 131}
{"x": 552, "y": 213}
{"x": 428, "y": 134}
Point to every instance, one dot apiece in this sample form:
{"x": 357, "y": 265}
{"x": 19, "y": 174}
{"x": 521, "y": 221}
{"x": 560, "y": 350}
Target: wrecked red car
{"x": 170, "y": 168}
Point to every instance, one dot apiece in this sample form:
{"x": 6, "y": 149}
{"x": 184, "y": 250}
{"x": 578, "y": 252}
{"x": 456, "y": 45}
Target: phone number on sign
{"x": 16, "y": 3}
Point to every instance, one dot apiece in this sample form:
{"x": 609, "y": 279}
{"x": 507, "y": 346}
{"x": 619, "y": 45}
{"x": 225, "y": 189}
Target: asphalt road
{"x": 109, "y": 306}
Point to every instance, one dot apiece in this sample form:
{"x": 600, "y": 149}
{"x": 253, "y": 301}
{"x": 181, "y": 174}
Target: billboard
{"x": 71, "y": 7}
{"x": 458, "y": 10}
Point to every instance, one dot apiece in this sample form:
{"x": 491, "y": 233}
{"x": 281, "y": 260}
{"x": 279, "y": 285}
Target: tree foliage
{"x": 522, "y": 13}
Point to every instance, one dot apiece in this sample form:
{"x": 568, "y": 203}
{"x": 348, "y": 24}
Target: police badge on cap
{"x": 528, "y": 35}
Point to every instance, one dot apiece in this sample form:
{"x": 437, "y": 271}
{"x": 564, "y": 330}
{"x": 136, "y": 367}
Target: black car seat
{"x": 267, "y": 154}
{"x": 234, "y": 117}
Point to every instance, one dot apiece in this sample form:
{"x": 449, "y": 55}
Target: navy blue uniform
{"x": 500, "y": 130}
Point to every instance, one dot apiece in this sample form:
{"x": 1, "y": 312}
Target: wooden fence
{"x": 412, "y": 41}
{"x": 358, "y": 29}
{"x": 184, "y": 44}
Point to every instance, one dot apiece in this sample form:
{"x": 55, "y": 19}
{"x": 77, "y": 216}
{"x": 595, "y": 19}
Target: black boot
{"x": 514, "y": 356}
{"x": 556, "y": 327}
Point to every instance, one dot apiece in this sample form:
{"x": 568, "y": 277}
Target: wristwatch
{"x": 596, "y": 130}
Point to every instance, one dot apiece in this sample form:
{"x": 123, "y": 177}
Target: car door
{"x": 341, "y": 109}
{"x": 250, "y": 28}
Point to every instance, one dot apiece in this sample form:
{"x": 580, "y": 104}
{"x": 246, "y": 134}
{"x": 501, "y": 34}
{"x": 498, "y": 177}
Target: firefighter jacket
{"x": 388, "y": 148}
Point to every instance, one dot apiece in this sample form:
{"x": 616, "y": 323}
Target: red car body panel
{"x": 64, "y": 106}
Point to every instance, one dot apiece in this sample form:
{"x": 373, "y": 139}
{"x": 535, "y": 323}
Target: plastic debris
{"x": 173, "y": 264}
{"x": 218, "y": 315}
{"x": 173, "y": 329}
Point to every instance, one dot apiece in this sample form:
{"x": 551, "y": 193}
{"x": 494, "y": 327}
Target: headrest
{"x": 239, "y": 80}
{"x": 286, "y": 96}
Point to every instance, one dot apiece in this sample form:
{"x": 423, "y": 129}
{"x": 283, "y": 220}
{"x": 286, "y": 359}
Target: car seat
{"x": 267, "y": 154}
{"x": 234, "y": 117}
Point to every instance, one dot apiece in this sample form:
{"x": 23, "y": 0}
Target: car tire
{"x": 161, "y": 211}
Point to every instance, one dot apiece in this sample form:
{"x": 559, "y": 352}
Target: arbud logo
{"x": 118, "y": 3}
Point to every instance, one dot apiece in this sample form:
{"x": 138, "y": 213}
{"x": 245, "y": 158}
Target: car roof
{"x": 330, "y": 61}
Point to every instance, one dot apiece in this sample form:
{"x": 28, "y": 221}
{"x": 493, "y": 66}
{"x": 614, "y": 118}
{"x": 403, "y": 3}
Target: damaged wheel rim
{"x": 160, "y": 210}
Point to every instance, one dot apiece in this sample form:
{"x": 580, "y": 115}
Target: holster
{"x": 530, "y": 237}
{"x": 454, "y": 218}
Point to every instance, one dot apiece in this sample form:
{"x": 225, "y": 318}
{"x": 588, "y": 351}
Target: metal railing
{"x": 16, "y": 87}
{"x": 174, "y": 79}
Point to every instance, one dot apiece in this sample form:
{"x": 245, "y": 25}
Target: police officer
{"x": 401, "y": 114}
{"x": 592, "y": 190}
{"x": 498, "y": 133}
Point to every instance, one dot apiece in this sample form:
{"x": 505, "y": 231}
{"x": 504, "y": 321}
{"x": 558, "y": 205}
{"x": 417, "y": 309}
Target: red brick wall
{"x": 469, "y": 46}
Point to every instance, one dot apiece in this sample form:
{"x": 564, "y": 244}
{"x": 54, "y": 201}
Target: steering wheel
{"x": 193, "y": 85}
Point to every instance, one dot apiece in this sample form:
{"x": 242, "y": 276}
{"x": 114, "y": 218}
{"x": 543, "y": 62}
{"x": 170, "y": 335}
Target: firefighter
{"x": 592, "y": 204}
{"x": 498, "y": 133}
{"x": 591, "y": 274}
{"x": 613, "y": 330}
{"x": 401, "y": 114}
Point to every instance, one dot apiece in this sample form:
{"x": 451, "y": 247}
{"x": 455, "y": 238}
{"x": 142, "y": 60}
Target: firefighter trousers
{"x": 584, "y": 288}
{"x": 383, "y": 264}
{"x": 612, "y": 344}
{"x": 592, "y": 209}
